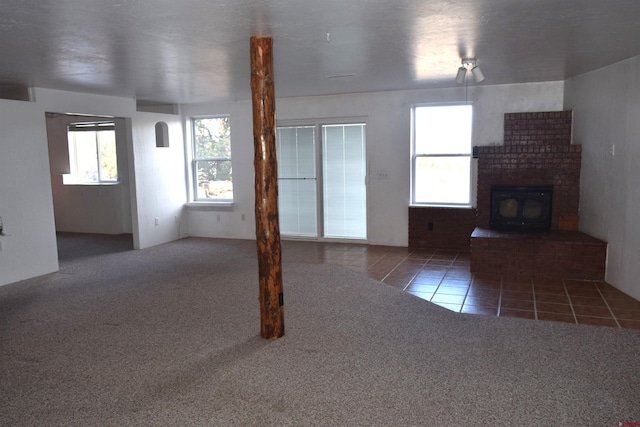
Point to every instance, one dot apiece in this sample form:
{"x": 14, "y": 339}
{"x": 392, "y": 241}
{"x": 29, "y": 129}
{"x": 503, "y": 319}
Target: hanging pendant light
{"x": 477, "y": 74}
{"x": 462, "y": 71}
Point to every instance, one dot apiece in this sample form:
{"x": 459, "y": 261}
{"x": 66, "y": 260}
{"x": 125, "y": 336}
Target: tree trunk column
{"x": 266, "y": 188}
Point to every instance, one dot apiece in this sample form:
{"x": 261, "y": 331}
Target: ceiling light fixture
{"x": 469, "y": 63}
{"x": 462, "y": 72}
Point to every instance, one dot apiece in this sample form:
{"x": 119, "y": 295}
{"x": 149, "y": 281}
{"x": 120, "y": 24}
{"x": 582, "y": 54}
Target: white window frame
{"x": 415, "y": 156}
{"x": 193, "y": 160}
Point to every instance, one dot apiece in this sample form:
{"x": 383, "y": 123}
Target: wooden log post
{"x": 266, "y": 188}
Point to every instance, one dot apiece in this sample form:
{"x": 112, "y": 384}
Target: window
{"x": 92, "y": 154}
{"x": 212, "y": 176}
{"x": 441, "y": 155}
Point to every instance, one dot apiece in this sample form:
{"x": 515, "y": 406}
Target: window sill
{"x": 92, "y": 184}
{"x": 443, "y": 206}
{"x": 210, "y": 206}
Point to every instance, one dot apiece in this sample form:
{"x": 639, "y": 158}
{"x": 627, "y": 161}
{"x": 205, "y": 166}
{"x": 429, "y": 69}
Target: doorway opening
{"x": 91, "y": 181}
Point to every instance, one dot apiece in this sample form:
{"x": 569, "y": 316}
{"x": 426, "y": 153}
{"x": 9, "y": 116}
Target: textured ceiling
{"x": 198, "y": 50}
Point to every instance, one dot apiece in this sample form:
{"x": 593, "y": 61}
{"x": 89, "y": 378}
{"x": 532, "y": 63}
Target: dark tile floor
{"x": 443, "y": 277}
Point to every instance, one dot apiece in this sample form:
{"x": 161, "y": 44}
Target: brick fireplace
{"x": 537, "y": 151}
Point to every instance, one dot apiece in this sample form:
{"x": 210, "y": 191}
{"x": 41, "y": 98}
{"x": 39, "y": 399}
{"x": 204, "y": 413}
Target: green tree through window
{"x": 212, "y": 158}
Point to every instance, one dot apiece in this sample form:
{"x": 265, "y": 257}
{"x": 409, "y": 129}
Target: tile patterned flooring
{"x": 443, "y": 277}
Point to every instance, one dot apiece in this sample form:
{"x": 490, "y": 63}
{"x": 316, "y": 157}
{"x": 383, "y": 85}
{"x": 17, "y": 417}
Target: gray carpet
{"x": 169, "y": 336}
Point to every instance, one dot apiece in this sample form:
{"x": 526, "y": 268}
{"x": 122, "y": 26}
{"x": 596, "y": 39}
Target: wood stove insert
{"x": 521, "y": 208}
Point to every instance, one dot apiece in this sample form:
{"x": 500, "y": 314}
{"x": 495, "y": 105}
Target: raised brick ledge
{"x": 568, "y": 237}
{"x": 556, "y": 254}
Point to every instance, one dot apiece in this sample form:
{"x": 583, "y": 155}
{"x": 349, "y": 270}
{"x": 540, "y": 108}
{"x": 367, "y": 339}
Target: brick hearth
{"x": 557, "y": 254}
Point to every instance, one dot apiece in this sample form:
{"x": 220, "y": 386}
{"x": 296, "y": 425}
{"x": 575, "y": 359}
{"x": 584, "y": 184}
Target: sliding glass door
{"x": 324, "y": 198}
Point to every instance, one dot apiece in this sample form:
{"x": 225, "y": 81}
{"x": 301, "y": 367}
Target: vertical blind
{"x": 344, "y": 174}
{"x": 297, "y": 181}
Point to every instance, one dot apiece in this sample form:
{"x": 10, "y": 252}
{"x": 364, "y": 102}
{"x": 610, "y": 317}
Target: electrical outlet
{"x": 382, "y": 174}
{"x": 243, "y": 217}
{"x": 157, "y": 221}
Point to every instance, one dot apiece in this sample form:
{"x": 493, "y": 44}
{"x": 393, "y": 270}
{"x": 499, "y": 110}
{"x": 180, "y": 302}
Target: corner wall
{"x": 28, "y": 248}
{"x": 606, "y": 112}
{"x": 160, "y": 188}
{"x": 26, "y": 204}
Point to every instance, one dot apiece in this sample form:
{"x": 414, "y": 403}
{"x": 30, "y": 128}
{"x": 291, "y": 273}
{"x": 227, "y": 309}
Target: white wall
{"x": 26, "y": 206}
{"x": 160, "y": 187}
{"x": 26, "y": 202}
{"x": 606, "y": 121}
{"x": 388, "y": 147}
